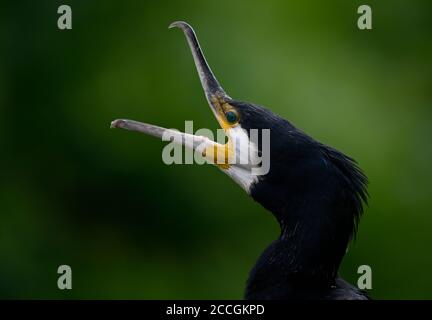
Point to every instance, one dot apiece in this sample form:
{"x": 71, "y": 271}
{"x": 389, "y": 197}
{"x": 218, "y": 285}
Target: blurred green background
{"x": 74, "y": 192}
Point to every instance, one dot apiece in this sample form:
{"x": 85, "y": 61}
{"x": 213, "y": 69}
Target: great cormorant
{"x": 315, "y": 192}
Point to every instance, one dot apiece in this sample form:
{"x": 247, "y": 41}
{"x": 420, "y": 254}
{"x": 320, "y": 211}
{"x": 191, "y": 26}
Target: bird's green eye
{"x": 231, "y": 116}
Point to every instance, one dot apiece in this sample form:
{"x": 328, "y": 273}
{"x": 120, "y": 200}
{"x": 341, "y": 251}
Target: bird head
{"x": 240, "y": 155}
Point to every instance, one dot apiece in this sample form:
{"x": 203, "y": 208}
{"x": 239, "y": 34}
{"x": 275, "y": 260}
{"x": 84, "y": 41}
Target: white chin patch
{"x": 242, "y": 176}
{"x": 246, "y": 154}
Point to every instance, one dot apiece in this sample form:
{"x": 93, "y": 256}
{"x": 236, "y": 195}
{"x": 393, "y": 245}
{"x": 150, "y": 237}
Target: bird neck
{"x": 304, "y": 259}
{"x": 317, "y": 197}
{"x": 311, "y": 249}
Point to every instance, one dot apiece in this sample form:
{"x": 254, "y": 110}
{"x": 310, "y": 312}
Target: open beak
{"x": 216, "y": 97}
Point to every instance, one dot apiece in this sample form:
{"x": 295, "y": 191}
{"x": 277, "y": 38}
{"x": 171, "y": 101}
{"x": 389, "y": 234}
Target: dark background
{"x": 74, "y": 192}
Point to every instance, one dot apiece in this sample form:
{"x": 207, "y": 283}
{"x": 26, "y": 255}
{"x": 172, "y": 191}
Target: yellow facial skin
{"x": 220, "y": 108}
{"x": 221, "y": 154}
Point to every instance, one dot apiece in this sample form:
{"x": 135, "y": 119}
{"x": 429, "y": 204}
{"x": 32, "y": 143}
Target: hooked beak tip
{"x": 179, "y": 24}
{"x": 116, "y": 124}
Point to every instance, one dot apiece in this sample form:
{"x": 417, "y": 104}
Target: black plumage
{"x": 316, "y": 193}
